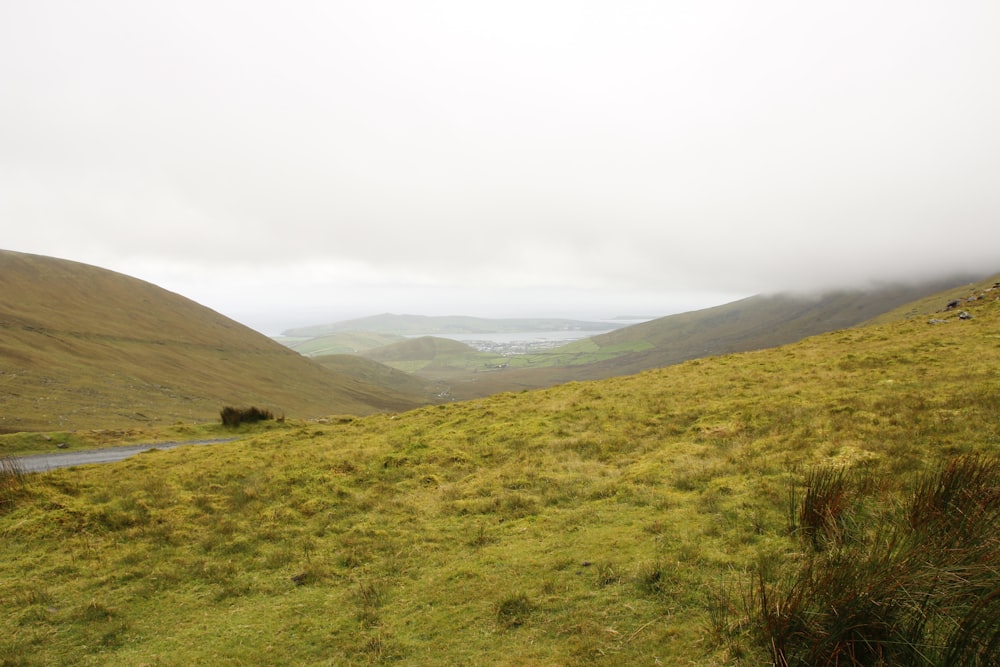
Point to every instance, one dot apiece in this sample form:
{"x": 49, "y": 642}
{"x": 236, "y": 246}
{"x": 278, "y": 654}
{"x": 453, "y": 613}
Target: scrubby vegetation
{"x": 233, "y": 417}
{"x": 915, "y": 582}
{"x": 615, "y": 522}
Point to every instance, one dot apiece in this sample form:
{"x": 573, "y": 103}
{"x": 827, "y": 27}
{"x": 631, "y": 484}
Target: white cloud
{"x": 456, "y": 154}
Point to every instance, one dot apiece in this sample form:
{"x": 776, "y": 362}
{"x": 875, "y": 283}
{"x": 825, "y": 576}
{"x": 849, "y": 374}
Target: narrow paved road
{"x": 43, "y": 462}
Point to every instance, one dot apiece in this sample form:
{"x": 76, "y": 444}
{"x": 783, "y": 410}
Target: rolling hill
{"x": 83, "y": 347}
{"x": 797, "y": 505}
{"x": 416, "y": 353}
{"x": 755, "y": 323}
{"x": 341, "y": 342}
{"x": 385, "y": 380}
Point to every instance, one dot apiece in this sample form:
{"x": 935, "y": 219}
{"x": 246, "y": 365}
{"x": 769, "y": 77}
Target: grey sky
{"x": 288, "y": 163}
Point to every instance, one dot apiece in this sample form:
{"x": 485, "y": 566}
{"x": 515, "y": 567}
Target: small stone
{"x": 62, "y": 445}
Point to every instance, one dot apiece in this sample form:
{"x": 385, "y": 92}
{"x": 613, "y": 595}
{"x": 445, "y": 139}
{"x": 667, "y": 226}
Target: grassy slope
{"x": 749, "y": 324}
{"x": 387, "y": 383}
{"x": 934, "y": 305}
{"x": 430, "y": 354}
{"x": 754, "y": 323}
{"x": 589, "y": 523}
{"x": 82, "y": 347}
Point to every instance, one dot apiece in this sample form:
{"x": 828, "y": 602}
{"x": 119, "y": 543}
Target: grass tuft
{"x": 920, "y": 587}
{"x": 825, "y": 504}
{"x": 13, "y": 483}
{"x": 513, "y": 611}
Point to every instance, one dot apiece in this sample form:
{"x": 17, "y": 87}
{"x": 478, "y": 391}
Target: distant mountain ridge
{"x": 425, "y": 325}
{"x": 84, "y": 347}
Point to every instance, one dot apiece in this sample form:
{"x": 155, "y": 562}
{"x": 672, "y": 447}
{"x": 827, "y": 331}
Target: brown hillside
{"x": 83, "y": 347}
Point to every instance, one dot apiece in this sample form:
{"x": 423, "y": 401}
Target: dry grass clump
{"x": 919, "y": 586}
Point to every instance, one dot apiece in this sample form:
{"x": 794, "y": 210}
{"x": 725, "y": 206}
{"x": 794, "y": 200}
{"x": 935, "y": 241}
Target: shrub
{"x": 919, "y": 587}
{"x": 233, "y": 417}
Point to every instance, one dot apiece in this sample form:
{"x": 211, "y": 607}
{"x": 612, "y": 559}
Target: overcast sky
{"x": 292, "y": 163}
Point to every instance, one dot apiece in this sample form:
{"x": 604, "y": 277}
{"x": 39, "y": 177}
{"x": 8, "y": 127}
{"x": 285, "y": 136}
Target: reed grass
{"x": 920, "y": 586}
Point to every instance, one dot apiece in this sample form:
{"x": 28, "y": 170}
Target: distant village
{"x": 511, "y": 348}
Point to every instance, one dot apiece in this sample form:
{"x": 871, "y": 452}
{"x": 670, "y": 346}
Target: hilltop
{"x": 633, "y": 520}
{"x": 83, "y": 347}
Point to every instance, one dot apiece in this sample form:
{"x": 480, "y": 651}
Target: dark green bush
{"x": 233, "y": 417}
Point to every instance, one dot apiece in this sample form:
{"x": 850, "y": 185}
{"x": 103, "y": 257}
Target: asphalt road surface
{"x": 43, "y": 462}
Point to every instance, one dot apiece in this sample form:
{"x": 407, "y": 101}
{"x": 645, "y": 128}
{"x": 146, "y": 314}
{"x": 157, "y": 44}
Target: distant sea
{"x": 527, "y": 336}
{"x": 530, "y": 341}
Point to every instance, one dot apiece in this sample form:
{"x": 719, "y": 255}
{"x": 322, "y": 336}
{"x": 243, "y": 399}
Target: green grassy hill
{"x": 754, "y": 323}
{"x": 415, "y": 354}
{"x": 82, "y": 347}
{"x": 749, "y": 324}
{"x": 757, "y": 322}
{"x": 343, "y": 342}
{"x": 659, "y": 518}
{"x": 385, "y": 383}
{"x": 941, "y": 304}
{"x": 440, "y": 362}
